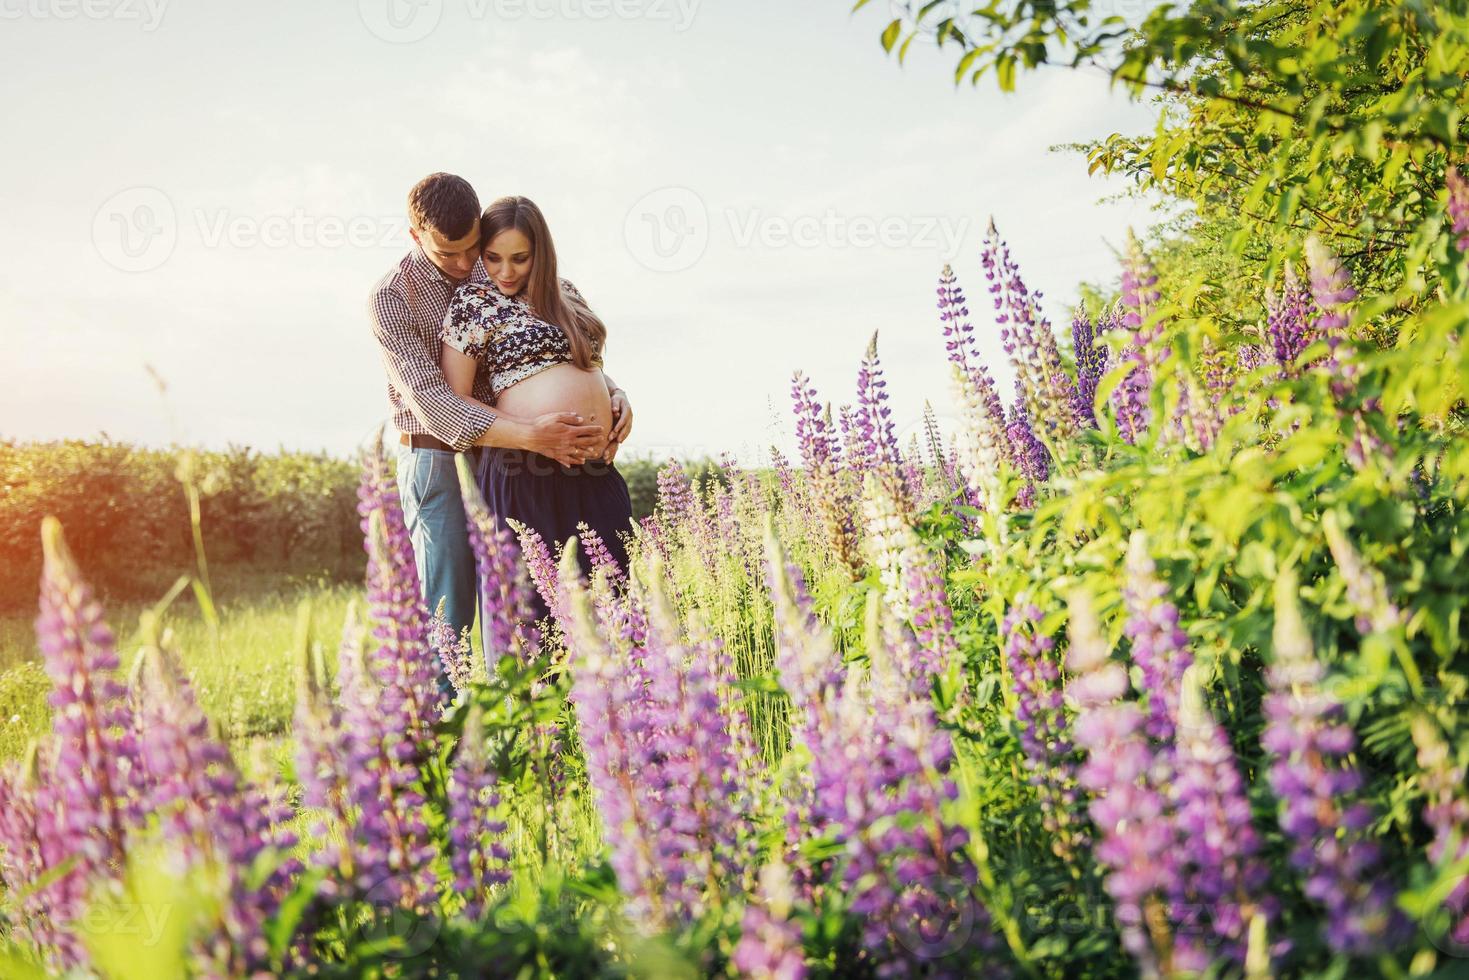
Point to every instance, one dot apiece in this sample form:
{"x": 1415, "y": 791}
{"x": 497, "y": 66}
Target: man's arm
{"x": 414, "y": 372}
{"x": 560, "y": 435}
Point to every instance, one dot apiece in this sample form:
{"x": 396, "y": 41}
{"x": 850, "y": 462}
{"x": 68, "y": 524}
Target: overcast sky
{"x": 741, "y": 188}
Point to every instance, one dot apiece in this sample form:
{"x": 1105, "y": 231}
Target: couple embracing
{"x": 489, "y": 352}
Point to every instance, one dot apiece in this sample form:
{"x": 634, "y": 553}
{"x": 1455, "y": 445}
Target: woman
{"x": 542, "y": 348}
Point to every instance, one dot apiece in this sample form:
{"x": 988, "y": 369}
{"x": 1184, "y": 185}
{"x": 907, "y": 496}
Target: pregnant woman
{"x": 542, "y": 348}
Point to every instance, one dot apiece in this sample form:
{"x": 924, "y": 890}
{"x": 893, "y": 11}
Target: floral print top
{"x": 502, "y": 332}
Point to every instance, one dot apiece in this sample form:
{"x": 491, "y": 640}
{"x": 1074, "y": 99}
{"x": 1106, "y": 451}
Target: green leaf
{"x": 890, "y": 35}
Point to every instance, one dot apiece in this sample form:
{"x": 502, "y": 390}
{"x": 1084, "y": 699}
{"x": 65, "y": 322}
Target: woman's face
{"x": 507, "y": 260}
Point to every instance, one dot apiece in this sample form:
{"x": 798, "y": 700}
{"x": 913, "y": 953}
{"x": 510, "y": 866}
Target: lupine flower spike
{"x": 1313, "y": 774}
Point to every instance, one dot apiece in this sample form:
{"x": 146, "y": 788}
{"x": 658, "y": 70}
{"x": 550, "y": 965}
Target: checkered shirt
{"x": 407, "y": 309}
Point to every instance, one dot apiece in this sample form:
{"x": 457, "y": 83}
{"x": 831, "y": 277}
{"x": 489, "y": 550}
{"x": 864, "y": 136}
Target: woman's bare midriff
{"x": 561, "y": 388}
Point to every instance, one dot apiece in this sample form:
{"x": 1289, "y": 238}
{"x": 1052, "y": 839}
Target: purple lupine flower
{"x": 684, "y": 515}
{"x": 91, "y": 797}
{"x": 663, "y": 766}
{"x": 1131, "y": 398}
{"x": 770, "y": 942}
{"x": 651, "y": 534}
{"x": 676, "y": 499}
{"x": 405, "y": 666}
{"x": 1366, "y": 588}
{"x": 1457, "y": 208}
{"x": 819, "y": 445}
{"x": 542, "y": 567}
{"x": 506, "y": 603}
{"x": 878, "y": 783}
{"x": 1140, "y": 296}
{"x": 196, "y": 793}
{"x": 1222, "y": 872}
{"x": 875, "y": 438}
{"x": 1027, "y": 452}
{"x": 1249, "y": 357}
{"x": 477, "y": 854}
{"x": 598, "y": 554}
{"x": 1035, "y": 676}
{"x": 1124, "y": 773}
{"x": 321, "y": 754}
{"x": 785, "y": 476}
{"x": 821, "y": 454}
{"x": 1316, "y": 780}
{"x": 1289, "y": 321}
{"x": 35, "y": 841}
{"x": 933, "y": 622}
{"x": 703, "y": 769}
{"x": 454, "y": 653}
{"x": 391, "y": 848}
{"x": 1446, "y": 812}
{"x": 612, "y": 722}
{"x": 1331, "y": 288}
{"x": 1049, "y": 393}
{"x": 960, "y": 342}
{"x": 1091, "y": 363}
{"x": 1159, "y": 645}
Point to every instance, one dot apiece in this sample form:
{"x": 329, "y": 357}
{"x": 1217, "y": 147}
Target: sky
{"x": 199, "y": 195}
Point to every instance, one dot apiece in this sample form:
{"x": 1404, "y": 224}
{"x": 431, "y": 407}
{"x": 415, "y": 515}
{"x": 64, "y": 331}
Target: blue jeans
{"x": 428, "y": 485}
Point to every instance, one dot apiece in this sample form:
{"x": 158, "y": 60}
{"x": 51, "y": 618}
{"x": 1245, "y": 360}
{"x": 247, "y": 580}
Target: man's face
{"x": 455, "y": 259}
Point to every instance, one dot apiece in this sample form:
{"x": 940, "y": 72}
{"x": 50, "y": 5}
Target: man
{"x": 407, "y": 308}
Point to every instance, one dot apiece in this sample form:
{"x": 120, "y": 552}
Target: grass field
{"x": 244, "y": 677}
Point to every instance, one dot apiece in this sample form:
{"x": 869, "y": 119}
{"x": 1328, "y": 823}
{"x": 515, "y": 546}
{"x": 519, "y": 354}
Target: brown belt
{"x": 425, "y": 442}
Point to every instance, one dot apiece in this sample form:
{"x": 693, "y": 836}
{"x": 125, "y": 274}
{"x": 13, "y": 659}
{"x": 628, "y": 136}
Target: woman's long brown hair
{"x": 583, "y": 329}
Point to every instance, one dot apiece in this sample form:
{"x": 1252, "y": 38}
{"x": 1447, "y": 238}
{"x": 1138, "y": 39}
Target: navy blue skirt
{"x": 552, "y": 499}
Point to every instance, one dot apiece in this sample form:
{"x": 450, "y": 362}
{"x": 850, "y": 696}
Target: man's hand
{"x": 566, "y": 438}
{"x": 621, "y": 418}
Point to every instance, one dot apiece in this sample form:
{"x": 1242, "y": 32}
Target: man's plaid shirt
{"x": 407, "y": 308}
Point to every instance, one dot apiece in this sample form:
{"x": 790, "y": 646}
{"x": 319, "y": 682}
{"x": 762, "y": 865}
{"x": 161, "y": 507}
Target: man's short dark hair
{"x": 446, "y": 204}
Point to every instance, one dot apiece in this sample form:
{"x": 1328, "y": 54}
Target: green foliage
{"x": 126, "y": 513}
{"x": 1277, "y": 118}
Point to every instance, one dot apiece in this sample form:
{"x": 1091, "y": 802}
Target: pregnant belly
{"x": 561, "y": 388}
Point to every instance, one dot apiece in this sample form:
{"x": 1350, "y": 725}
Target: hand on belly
{"x": 562, "y": 388}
